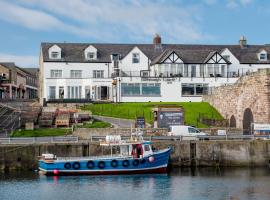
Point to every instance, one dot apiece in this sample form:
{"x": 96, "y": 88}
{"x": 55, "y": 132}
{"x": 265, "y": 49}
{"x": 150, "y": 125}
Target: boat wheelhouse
{"x": 134, "y": 156}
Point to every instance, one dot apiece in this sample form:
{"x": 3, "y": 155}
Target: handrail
{"x": 34, "y": 140}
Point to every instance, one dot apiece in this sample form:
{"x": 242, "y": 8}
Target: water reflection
{"x": 184, "y": 183}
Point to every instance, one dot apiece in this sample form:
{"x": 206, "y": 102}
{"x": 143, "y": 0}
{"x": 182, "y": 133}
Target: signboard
{"x": 170, "y": 116}
{"x": 140, "y": 122}
{"x": 261, "y": 127}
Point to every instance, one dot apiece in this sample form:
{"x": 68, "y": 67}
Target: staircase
{"x": 9, "y": 120}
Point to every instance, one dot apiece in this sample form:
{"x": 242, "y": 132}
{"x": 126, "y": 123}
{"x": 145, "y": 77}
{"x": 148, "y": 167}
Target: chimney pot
{"x": 243, "y": 42}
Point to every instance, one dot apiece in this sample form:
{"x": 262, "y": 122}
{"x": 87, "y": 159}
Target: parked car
{"x": 185, "y": 131}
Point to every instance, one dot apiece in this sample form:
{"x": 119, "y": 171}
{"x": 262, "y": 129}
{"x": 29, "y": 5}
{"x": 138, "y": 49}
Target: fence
{"x": 33, "y": 140}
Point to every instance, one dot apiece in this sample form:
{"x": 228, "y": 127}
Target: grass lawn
{"x": 131, "y": 110}
{"x": 41, "y": 132}
{"x": 95, "y": 124}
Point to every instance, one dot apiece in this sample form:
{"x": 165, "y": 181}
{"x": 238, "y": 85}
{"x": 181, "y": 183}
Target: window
{"x": 140, "y": 89}
{"x": 210, "y": 70}
{"x": 130, "y": 89}
{"x": 186, "y": 72}
{"x": 52, "y": 94}
{"x": 55, "y": 55}
{"x": 56, "y": 73}
{"x": 75, "y": 73}
{"x": 147, "y": 148}
{"x": 144, "y": 73}
{"x": 195, "y": 89}
{"x": 227, "y": 57}
{"x": 135, "y": 58}
{"x": 90, "y": 55}
{"x": 74, "y": 92}
{"x": 98, "y": 74}
{"x": 263, "y": 56}
{"x": 150, "y": 89}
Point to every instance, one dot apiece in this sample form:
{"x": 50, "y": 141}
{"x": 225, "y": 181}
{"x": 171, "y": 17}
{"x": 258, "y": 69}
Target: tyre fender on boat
{"x": 135, "y": 162}
{"x": 142, "y": 161}
{"x": 76, "y": 165}
{"x": 67, "y": 165}
{"x": 114, "y": 163}
{"x": 101, "y": 164}
{"x": 125, "y": 163}
{"x": 90, "y": 164}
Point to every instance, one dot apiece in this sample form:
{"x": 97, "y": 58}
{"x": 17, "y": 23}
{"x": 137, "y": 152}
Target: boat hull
{"x": 156, "y": 163}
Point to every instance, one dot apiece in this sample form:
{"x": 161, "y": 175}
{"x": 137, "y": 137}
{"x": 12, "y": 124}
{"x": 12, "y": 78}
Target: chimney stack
{"x": 243, "y": 42}
{"x": 157, "y": 39}
{"x": 157, "y": 42}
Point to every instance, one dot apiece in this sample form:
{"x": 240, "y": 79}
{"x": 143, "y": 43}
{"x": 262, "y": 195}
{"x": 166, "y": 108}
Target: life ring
{"x": 76, "y": 165}
{"x": 114, "y": 163}
{"x": 135, "y": 162}
{"x": 142, "y": 161}
{"x": 67, "y": 165}
{"x": 90, "y": 164}
{"x": 125, "y": 163}
{"x": 101, "y": 164}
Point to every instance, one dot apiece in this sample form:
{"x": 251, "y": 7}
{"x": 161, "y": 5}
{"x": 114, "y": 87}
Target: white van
{"x": 185, "y": 131}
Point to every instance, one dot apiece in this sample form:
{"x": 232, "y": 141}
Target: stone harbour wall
{"x": 184, "y": 154}
{"x": 250, "y": 95}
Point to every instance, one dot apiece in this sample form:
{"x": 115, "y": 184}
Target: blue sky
{"x": 24, "y": 24}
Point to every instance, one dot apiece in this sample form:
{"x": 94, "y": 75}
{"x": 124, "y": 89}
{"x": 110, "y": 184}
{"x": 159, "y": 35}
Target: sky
{"x": 24, "y": 24}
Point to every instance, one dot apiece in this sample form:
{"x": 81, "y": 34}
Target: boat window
{"x": 147, "y": 148}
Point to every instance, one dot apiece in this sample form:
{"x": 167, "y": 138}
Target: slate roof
{"x": 74, "y": 52}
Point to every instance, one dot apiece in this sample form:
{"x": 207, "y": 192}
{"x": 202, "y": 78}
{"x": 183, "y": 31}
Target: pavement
{"x": 116, "y": 122}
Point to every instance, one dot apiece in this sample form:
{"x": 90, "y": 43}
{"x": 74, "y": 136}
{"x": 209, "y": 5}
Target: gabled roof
{"x": 195, "y": 54}
{"x": 217, "y": 56}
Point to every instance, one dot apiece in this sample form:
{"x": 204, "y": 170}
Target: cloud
{"x": 232, "y": 4}
{"x": 22, "y": 61}
{"x": 35, "y": 19}
{"x": 110, "y": 20}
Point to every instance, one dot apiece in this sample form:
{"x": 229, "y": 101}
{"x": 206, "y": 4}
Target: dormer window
{"x": 262, "y": 56}
{"x": 54, "y": 55}
{"x": 91, "y": 56}
{"x": 55, "y": 52}
{"x": 90, "y": 53}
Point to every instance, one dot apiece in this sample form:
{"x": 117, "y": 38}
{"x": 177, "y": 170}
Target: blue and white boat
{"x": 134, "y": 156}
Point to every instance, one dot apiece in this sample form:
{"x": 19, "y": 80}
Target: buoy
{"x": 55, "y": 171}
{"x": 151, "y": 159}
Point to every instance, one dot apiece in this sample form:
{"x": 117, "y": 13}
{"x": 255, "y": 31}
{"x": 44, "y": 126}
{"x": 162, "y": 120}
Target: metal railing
{"x": 38, "y": 140}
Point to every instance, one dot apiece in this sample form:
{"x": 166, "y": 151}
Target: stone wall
{"x": 249, "y": 92}
{"x": 86, "y": 133}
{"x": 184, "y": 153}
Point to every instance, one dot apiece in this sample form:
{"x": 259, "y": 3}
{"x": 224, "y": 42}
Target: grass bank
{"x": 95, "y": 124}
{"x": 41, "y": 132}
{"x": 193, "y": 110}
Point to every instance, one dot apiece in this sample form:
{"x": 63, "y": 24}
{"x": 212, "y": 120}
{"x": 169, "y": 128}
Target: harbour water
{"x": 184, "y": 184}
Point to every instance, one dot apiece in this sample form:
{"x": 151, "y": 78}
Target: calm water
{"x": 181, "y": 184}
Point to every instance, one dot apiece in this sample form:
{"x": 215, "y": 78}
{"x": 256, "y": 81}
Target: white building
{"x": 74, "y": 72}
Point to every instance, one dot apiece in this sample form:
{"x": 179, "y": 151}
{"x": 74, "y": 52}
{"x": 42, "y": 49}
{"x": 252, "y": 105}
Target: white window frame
{"x": 55, "y": 55}
{"x": 91, "y": 55}
{"x": 135, "y": 58}
{"x": 98, "y": 73}
{"x": 75, "y": 73}
{"x": 265, "y": 56}
{"x": 56, "y": 73}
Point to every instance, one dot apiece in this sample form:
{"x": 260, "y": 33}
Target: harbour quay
{"x": 230, "y": 153}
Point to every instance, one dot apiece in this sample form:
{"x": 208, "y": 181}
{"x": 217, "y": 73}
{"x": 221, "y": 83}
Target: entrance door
{"x": 104, "y": 93}
{"x": 247, "y": 121}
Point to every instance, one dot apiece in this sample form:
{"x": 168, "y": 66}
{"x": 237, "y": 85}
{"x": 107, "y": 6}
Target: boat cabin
{"x": 129, "y": 148}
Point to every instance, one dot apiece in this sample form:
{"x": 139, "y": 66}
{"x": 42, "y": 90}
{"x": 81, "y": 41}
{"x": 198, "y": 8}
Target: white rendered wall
{"x": 126, "y": 64}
